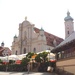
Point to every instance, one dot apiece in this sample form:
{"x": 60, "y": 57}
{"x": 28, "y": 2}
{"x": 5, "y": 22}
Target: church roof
{"x": 50, "y": 37}
{"x": 67, "y": 40}
{"x": 68, "y": 17}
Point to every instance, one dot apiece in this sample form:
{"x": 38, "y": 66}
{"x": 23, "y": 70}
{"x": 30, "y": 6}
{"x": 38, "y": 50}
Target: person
{"x": 28, "y": 67}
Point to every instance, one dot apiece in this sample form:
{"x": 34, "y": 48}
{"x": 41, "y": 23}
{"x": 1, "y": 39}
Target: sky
{"x": 48, "y": 14}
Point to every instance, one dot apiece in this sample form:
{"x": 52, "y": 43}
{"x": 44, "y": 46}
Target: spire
{"x": 68, "y": 13}
{"x": 26, "y": 18}
{"x": 68, "y": 17}
{"x": 15, "y": 36}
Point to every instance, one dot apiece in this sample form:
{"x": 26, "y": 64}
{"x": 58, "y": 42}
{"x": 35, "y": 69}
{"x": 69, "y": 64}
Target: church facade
{"x": 32, "y": 39}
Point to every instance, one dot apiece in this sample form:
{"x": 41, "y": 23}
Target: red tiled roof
{"x": 50, "y": 37}
{"x": 1, "y": 50}
{"x": 4, "y": 48}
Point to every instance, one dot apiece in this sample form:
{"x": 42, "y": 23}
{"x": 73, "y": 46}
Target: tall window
{"x": 68, "y": 32}
{"x": 34, "y": 50}
{"x": 24, "y": 50}
{"x": 16, "y": 52}
{"x": 25, "y": 33}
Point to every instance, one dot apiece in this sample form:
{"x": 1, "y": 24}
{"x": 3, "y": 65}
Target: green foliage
{"x": 0, "y": 61}
{"x": 37, "y": 58}
{"x": 44, "y": 55}
{"x": 25, "y": 61}
{"x": 41, "y": 57}
{"x": 29, "y": 55}
{"x": 11, "y": 61}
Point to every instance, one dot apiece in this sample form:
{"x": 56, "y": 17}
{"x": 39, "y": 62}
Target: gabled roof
{"x": 50, "y": 37}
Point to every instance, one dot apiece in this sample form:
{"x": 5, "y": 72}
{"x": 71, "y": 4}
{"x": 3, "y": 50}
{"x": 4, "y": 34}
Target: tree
{"x": 25, "y": 61}
{"x": 44, "y": 56}
{"x": 37, "y": 58}
{"x": 29, "y": 55}
{"x": 41, "y": 57}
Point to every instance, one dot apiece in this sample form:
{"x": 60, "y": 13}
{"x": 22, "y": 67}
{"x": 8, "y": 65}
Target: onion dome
{"x": 2, "y": 44}
{"x": 15, "y": 36}
{"x": 68, "y": 17}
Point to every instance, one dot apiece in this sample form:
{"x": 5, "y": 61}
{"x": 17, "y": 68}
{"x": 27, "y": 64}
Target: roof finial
{"x": 42, "y": 29}
{"x": 68, "y": 17}
{"x": 26, "y": 18}
{"x": 68, "y": 13}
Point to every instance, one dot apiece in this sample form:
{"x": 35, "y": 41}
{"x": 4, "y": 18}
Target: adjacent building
{"x": 33, "y": 39}
{"x": 4, "y": 51}
{"x": 65, "y": 51}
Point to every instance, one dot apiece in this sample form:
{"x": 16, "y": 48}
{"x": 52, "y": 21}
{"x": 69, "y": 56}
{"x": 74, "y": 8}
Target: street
{"x": 26, "y": 73}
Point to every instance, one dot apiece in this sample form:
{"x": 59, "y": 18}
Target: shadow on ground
{"x": 38, "y": 73}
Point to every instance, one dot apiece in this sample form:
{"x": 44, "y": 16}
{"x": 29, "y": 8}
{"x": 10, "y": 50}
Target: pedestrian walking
{"x": 28, "y": 67}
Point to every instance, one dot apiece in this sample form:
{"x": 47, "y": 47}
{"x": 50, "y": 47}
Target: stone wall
{"x": 67, "y": 65}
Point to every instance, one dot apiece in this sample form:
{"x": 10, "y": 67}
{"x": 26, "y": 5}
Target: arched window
{"x": 25, "y": 33}
{"x": 68, "y": 32}
{"x": 34, "y": 50}
{"x": 16, "y": 52}
{"x": 24, "y": 50}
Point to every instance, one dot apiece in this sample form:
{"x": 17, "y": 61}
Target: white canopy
{"x": 22, "y": 56}
{"x": 51, "y": 54}
{"x": 13, "y": 57}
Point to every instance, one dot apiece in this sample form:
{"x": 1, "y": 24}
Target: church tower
{"x": 69, "y": 26}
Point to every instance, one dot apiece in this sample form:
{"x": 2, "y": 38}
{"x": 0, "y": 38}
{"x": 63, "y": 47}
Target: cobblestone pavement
{"x": 26, "y": 73}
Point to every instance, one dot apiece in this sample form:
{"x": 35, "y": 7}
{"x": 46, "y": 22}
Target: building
{"x": 4, "y": 51}
{"x": 32, "y": 39}
{"x": 65, "y": 51}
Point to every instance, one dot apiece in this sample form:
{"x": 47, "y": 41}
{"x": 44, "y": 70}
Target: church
{"x": 33, "y": 39}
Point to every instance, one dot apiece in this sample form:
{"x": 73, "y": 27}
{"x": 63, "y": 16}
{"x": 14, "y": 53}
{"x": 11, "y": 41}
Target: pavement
{"x": 26, "y": 73}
